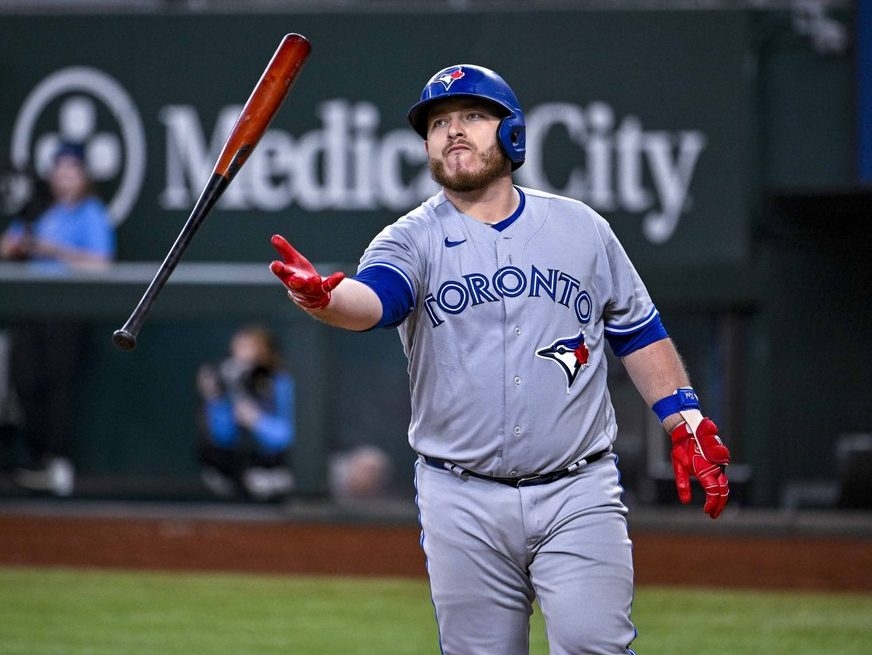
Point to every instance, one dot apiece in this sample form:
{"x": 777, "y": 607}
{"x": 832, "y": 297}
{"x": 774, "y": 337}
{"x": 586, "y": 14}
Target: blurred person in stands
{"x": 246, "y": 427}
{"x": 74, "y": 233}
{"x": 364, "y": 472}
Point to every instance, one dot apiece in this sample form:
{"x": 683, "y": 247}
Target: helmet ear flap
{"x": 512, "y": 135}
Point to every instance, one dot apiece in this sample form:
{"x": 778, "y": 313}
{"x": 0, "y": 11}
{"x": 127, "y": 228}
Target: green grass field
{"x": 97, "y": 612}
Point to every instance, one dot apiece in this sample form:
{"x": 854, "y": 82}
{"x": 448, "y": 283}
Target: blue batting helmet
{"x": 465, "y": 80}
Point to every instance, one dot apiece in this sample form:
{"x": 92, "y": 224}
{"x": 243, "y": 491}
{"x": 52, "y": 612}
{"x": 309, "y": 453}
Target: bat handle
{"x": 125, "y": 337}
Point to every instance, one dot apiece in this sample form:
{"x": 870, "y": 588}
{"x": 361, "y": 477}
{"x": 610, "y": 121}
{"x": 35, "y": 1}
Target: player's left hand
{"x": 306, "y": 288}
{"x": 704, "y": 456}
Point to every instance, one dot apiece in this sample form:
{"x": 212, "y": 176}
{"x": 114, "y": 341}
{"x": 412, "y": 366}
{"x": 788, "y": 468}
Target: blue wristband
{"x": 683, "y": 398}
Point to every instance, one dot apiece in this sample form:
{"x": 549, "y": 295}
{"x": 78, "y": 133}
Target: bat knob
{"x": 123, "y": 339}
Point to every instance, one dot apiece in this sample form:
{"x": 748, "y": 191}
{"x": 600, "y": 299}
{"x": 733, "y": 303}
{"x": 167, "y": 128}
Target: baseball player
{"x": 504, "y": 299}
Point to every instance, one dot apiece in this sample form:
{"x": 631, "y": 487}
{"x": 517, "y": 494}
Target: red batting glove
{"x": 704, "y": 456}
{"x": 305, "y": 287}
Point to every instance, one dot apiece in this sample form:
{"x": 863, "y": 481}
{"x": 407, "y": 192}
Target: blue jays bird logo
{"x": 448, "y": 79}
{"x": 570, "y": 354}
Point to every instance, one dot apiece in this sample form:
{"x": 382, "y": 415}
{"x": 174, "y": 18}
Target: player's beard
{"x": 493, "y": 167}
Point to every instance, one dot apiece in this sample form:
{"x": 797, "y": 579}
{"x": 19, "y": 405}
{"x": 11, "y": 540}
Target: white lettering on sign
{"x": 345, "y": 164}
{"x": 615, "y": 163}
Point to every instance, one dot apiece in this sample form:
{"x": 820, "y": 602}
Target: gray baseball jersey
{"x": 506, "y": 340}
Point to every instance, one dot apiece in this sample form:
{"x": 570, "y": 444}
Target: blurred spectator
{"x": 364, "y": 472}
{"x": 246, "y": 419}
{"x": 74, "y": 232}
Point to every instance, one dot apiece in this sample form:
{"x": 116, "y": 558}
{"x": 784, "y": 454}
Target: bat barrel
{"x": 268, "y": 95}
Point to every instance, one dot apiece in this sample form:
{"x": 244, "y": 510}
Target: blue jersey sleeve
{"x": 393, "y": 290}
{"x": 626, "y": 339}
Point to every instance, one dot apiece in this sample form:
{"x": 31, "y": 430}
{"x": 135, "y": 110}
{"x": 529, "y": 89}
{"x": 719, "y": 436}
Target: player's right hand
{"x": 704, "y": 456}
{"x": 305, "y": 287}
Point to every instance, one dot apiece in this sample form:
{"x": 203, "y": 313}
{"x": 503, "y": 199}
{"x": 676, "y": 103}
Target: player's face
{"x": 462, "y": 145}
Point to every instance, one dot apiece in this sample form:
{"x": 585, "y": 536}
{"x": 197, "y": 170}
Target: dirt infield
{"x": 274, "y": 545}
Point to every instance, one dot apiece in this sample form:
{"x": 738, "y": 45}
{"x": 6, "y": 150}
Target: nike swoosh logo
{"x": 450, "y": 244}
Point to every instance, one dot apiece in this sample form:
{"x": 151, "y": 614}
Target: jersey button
{"x": 518, "y": 430}
{"x": 517, "y": 329}
{"x": 517, "y": 380}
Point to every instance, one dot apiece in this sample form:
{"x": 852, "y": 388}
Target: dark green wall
{"x": 762, "y": 281}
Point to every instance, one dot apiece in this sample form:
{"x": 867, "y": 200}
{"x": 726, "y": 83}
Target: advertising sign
{"x": 638, "y": 114}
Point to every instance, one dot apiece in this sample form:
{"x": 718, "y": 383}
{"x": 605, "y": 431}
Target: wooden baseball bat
{"x": 262, "y": 105}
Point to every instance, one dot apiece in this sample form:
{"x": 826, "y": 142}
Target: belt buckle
{"x": 527, "y": 479}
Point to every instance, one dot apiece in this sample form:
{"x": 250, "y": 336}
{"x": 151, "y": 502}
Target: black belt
{"x": 522, "y": 481}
